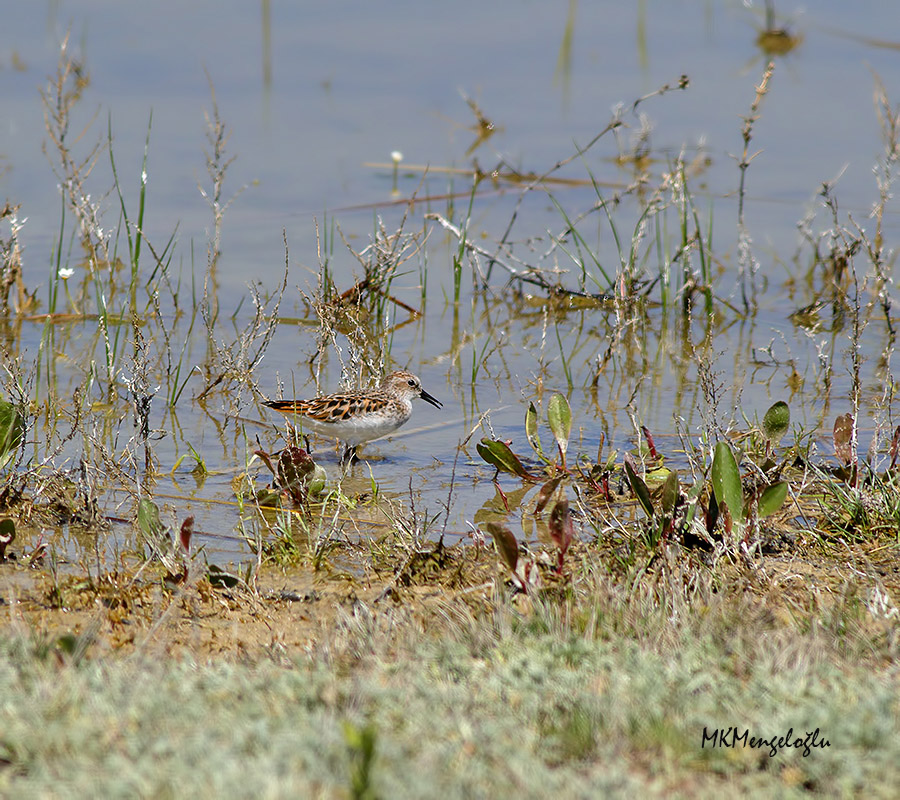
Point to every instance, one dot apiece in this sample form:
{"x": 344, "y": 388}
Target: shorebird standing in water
{"x": 358, "y": 417}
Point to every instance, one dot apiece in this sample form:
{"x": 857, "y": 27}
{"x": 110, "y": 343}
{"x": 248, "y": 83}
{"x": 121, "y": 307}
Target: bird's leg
{"x": 350, "y": 455}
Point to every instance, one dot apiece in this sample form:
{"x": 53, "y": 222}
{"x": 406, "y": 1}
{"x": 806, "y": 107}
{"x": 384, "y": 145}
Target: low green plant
{"x": 559, "y": 418}
{"x": 361, "y": 747}
{"x": 199, "y": 469}
{"x": 12, "y": 432}
{"x": 733, "y": 502}
{"x": 671, "y": 510}
{"x": 662, "y": 514}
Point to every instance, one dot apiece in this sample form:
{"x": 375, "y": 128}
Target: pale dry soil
{"x": 291, "y": 610}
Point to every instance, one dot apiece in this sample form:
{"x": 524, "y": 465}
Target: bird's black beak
{"x": 429, "y": 399}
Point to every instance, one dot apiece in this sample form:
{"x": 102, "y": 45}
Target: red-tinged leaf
{"x": 7, "y": 534}
{"x": 37, "y": 557}
{"x": 295, "y": 470}
{"x": 532, "y": 577}
{"x": 843, "y": 436}
{"x": 561, "y": 528}
{"x": 605, "y": 486}
{"x": 187, "y": 529}
{"x": 649, "y": 437}
{"x": 266, "y": 459}
{"x": 545, "y": 494}
{"x": 506, "y": 543}
{"x": 503, "y": 496}
{"x": 294, "y": 464}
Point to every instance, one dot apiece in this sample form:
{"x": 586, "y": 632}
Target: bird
{"x": 357, "y": 417}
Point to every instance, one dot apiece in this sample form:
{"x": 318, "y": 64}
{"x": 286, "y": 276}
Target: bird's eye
{"x": 412, "y": 383}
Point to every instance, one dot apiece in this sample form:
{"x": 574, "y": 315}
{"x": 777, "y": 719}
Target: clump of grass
{"x": 748, "y": 267}
{"x": 357, "y": 324}
{"x": 13, "y": 428}
{"x": 572, "y": 262}
{"x": 217, "y": 164}
{"x": 12, "y": 284}
{"x": 233, "y": 362}
{"x": 112, "y": 277}
{"x": 60, "y": 97}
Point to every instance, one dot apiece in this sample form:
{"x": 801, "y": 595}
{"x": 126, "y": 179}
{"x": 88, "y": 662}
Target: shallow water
{"x": 311, "y": 96}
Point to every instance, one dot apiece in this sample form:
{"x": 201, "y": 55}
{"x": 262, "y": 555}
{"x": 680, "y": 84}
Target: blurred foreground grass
{"x": 525, "y": 701}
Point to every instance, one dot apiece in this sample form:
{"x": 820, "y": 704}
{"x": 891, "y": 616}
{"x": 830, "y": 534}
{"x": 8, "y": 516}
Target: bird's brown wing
{"x": 333, "y": 408}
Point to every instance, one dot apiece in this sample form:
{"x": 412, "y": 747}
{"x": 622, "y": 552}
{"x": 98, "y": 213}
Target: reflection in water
{"x": 563, "y": 72}
{"x": 266, "y": 25}
{"x": 774, "y": 40}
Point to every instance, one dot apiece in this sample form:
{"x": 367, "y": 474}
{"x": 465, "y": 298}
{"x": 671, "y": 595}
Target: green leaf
{"x": 559, "y": 417}
{"x": 657, "y": 477}
{"x": 498, "y": 455}
{"x": 776, "y": 421}
{"x": 267, "y": 497}
{"x": 611, "y": 461}
{"x": 670, "y": 492}
{"x": 693, "y": 497}
{"x": 316, "y": 482}
{"x": 531, "y": 430}
{"x": 506, "y": 543}
{"x": 148, "y": 518}
{"x": 772, "y": 498}
{"x": 12, "y": 431}
{"x": 639, "y": 487}
{"x": 726, "y": 481}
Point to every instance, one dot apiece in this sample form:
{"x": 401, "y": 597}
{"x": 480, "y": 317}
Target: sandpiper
{"x": 357, "y": 417}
